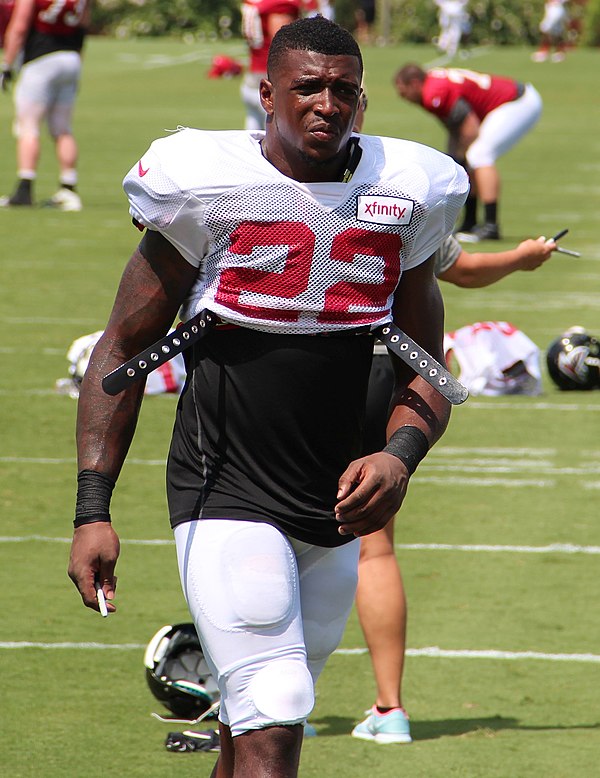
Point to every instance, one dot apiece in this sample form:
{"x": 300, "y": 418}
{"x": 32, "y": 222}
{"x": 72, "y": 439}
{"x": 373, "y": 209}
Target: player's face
{"x": 410, "y": 91}
{"x": 311, "y": 103}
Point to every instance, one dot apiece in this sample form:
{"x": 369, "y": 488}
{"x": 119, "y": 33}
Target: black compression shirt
{"x": 265, "y": 426}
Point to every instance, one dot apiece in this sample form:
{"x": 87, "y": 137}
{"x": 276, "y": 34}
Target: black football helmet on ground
{"x": 573, "y": 360}
{"x": 177, "y": 672}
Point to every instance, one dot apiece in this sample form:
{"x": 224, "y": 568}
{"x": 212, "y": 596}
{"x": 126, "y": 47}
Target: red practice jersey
{"x": 255, "y": 15}
{"x": 58, "y": 17}
{"x": 444, "y": 87}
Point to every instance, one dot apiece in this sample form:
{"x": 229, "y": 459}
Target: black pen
{"x": 560, "y": 249}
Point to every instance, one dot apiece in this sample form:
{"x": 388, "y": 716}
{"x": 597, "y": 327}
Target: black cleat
{"x": 487, "y": 231}
{"x": 20, "y": 197}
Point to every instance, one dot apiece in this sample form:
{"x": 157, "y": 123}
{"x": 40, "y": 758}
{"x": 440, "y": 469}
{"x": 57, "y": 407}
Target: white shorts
{"x": 555, "y": 19}
{"x": 46, "y": 89}
{"x": 269, "y": 611}
{"x": 503, "y": 127}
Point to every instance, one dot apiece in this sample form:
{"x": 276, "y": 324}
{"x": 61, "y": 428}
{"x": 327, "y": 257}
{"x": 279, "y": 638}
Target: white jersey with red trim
{"x": 495, "y": 358}
{"x": 280, "y": 255}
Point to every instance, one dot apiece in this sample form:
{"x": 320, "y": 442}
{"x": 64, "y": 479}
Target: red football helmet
{"x": 224, "y": 67}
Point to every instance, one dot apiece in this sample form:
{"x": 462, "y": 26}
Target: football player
{"x": 50, "y": 36}
{"x": 454, "y": 20}
{"x": 485, "y": 116}
{"x": 553, "y": 29}
{"x": 298, "y": 240}
{"x": 260, "y": 21}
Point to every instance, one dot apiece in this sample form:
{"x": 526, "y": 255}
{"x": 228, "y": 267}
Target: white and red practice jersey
{"x": 280, "y": 255}
{"x": 494, "y": 358}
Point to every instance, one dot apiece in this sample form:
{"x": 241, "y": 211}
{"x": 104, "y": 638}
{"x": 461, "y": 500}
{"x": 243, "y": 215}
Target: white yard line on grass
{"x": 441, "y": 653}
{"x": 154, "y": 61}
{"x": 552, "y": 548}
{"x": 430, "y": 652}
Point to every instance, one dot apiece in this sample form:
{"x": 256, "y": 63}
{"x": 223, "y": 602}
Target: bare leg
{"x": 261, "y": 753}
{"x": 224, "y": 765}
{"x": 382, "y": 612}
{"x": 66, "y": 152}
{"x": 28, "y": 152}
{"x": 488, "y": 183}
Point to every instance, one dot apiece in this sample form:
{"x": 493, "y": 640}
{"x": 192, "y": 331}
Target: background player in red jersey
{"x": 49, "y": 34}
{"x": 485, "y": 116}
{"x": 260, "y": 21}
{"x": 277, "y": 235}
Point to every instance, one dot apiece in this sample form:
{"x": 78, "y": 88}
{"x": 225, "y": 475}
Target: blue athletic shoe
{"x": 391, "y": 727}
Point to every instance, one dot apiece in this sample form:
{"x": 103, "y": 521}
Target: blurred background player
{"x": 485, "y": 116}
{"x": 454, "y": 24}
{"x": 380, "y": 597}
{"x": 365, "y": 19}
{"x": 49, "y": 36}
{"x": 553, "y": 28}
{"x": 260, "y": 21}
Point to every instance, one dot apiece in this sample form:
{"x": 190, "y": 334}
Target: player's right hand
{"x": 6, "y": 77}
{"x": 94, "y": 553}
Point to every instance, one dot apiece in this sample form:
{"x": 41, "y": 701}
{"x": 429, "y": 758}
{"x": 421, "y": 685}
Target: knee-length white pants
{"x": 503, "y": 127}
{"x": 269, "y": 611}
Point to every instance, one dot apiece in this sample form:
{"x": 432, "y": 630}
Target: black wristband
{"x": 410, "y": 445}
{"x": 94, "y": 491}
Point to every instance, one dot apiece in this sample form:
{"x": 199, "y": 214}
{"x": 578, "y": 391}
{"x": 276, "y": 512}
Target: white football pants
{"x": 503, "y": 127}
{"x": 269, "y": 611}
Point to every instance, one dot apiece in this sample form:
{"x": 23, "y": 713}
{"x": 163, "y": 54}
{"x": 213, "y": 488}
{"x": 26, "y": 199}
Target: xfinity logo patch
{"x": 384, "y": 210}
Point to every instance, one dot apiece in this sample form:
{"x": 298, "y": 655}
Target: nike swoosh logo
{"x": 141, "y": 170}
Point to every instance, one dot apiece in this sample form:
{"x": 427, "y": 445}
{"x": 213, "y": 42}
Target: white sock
{"x": 68, "y": 177}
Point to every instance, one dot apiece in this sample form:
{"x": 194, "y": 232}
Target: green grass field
{"x": 499, "y": 537}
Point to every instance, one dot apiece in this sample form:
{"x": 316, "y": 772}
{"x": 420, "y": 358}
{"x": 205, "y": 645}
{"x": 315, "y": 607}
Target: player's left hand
{"x": 371, "y": 491}
{"x": 6, "y": 77}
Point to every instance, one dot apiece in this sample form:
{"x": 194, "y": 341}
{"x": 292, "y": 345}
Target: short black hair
{"x": 314, "y": 33}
